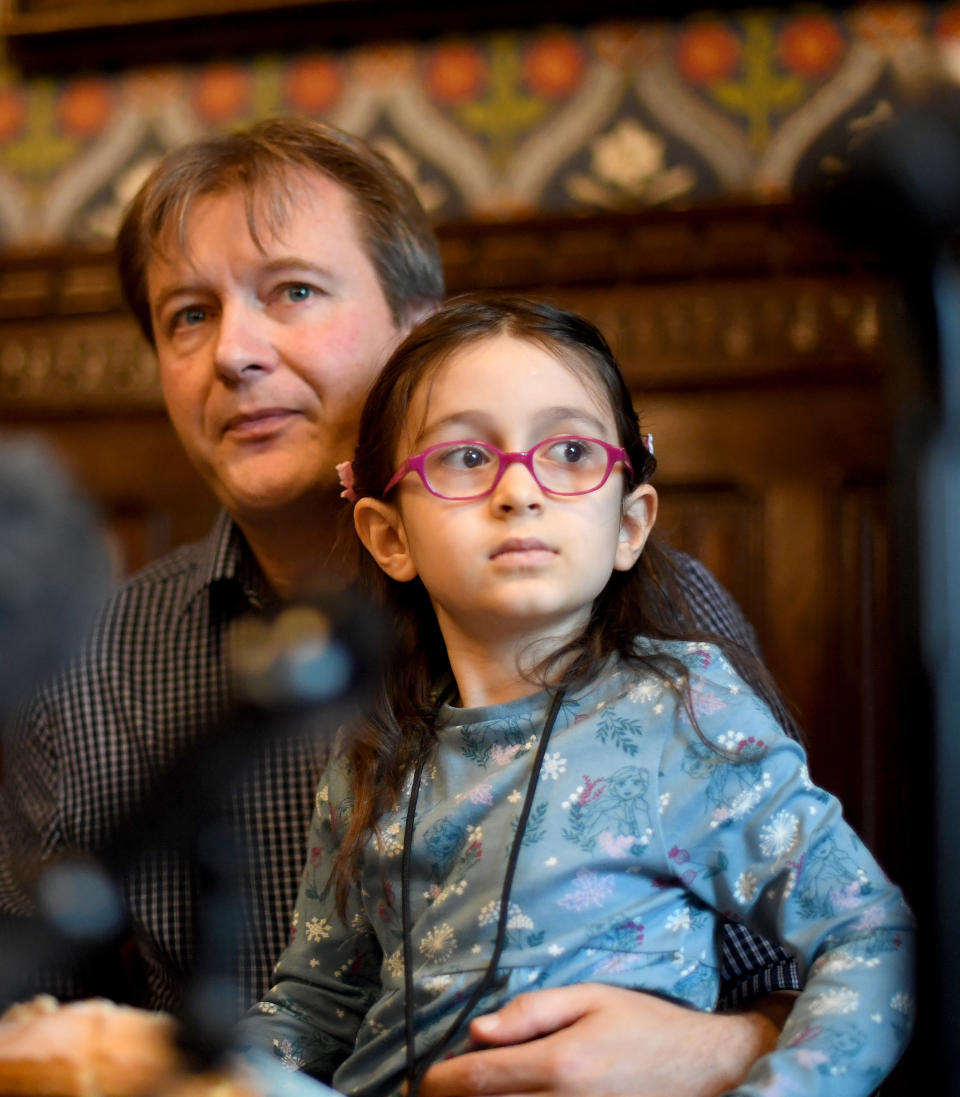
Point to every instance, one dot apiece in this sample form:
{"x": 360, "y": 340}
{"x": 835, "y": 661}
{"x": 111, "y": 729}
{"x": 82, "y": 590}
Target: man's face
{"x": 266, "y": 355}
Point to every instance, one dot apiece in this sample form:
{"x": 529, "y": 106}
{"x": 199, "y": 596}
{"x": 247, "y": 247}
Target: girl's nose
{"x": 517, "y": 490}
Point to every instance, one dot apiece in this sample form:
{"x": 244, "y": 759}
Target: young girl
{"x": 556, "y": 785}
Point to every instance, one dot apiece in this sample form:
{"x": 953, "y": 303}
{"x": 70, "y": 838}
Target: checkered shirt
{"x": 153, "y": 673}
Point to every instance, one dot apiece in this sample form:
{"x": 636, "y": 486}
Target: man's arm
{"x": 594, "y": 1039}
{"x": 713, "y": 610}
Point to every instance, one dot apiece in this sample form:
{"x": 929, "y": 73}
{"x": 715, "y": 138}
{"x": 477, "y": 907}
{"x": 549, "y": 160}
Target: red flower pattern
{"x": 553, "y": 66}
{"x": 223, "y": 92}
{"x": 811, "y": 46}
{"x": 13, "y": 114}
{"x": 85, "y": 106}
{"x": 456, "y": 73}
{"x": 313, "y": 84}
{"x": 708, "y": 52}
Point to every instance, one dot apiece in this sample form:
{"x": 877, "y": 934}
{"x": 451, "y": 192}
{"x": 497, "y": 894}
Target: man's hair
{"x": 265, "y": 163}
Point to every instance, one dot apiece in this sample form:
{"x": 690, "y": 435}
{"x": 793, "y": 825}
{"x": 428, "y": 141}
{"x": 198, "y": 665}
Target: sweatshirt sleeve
{"x": 756, "y": 840}
{"x": 329, "y": 974}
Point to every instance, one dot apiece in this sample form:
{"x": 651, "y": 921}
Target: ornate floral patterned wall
{"x": 751, "y": 105}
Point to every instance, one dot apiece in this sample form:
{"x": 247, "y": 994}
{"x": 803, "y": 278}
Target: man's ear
{"x": 416, "y": 313}
{"x": 380, "y": 528}
{"x": 639, "y": 514}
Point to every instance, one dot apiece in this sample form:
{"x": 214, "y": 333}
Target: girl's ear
{"x": 639, "y": 514}
{"x": 380, "y": 528}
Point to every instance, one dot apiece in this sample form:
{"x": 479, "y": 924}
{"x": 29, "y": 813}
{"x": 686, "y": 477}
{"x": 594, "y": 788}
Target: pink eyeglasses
{"x": 566, "y": 465}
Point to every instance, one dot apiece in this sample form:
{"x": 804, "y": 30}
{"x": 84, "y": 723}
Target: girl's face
{"x": 519, "y": 561}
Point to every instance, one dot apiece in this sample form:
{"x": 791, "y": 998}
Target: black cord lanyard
{"x": 416, "y": 1069}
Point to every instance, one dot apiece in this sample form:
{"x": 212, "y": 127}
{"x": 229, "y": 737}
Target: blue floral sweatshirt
{"x": 644, "y": 831}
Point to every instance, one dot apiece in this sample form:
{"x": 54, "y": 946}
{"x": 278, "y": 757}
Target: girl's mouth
{"x": 521, "y": 546}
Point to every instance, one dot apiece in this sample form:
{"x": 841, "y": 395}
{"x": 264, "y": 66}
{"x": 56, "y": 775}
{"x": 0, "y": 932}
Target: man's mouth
{"x": 259, "y": 423}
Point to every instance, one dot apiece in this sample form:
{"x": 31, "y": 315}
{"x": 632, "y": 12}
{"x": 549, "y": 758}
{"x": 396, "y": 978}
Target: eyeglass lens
{"x": 560, "y": 465}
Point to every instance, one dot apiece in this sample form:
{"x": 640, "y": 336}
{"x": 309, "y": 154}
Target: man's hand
{"x": 593, "y": 1039}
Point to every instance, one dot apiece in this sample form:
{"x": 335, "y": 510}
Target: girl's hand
{"x": 593, "y": 1039}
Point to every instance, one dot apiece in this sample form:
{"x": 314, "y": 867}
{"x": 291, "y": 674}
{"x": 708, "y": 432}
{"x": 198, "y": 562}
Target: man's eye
{"x": 298, "y": 292}
{"x": 188, "y": 317}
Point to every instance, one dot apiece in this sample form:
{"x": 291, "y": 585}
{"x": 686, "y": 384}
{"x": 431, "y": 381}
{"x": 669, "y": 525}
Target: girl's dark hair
{"x": 648, "y": 600}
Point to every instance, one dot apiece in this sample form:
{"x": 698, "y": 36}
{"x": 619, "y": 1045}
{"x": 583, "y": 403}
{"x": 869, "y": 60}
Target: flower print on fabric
{"x": 391, "y": 840}
{"x": 734, "y": 787}
{"x": 535, "y": 830}
{"x": 645, "y": 691}
{"x": 553, "y": 767}
{"x": 590, "y": 889}
{"x": 627, "y": 862}
{"x": 830, "y": 881}
{"x": 780, "y": 835}
{"x": 521, "y": 929}
{"x": 697, "y": 984}
{"x": 444, "y": 840}
{"x": 612, "y": 813}
{"x": 439, "y": 944}
{"x": 289, "y": 1054}
{"x": 481, "y": 745}
{"x": 624, "y": 937}
{"x": 394, "y": 964}
{"x": 617, "y": 730}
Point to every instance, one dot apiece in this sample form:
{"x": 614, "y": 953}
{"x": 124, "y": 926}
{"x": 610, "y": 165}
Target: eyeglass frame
{"x": 415, "y": 463}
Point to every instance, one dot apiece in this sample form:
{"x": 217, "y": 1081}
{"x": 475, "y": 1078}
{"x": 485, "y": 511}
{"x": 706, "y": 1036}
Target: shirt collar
{"x": 226, "y": 560}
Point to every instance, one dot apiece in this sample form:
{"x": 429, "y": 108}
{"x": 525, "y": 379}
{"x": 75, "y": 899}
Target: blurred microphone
{"x": 901, "y": 197}
{"x": 296, "y": 674}
{"x": 300, "y": 674}
{"x": 54, "y": 568}
{"x": 326, "y": 651}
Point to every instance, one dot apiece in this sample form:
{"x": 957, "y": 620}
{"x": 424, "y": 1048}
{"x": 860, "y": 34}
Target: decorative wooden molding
{"x": 671, "y": 290}
{"x": 44, "y": 35}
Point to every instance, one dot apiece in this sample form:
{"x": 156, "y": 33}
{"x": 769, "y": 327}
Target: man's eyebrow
{"x": 177, "y": 289}
{"x": 294, "y": 262}
{"x": 186, "y": 287}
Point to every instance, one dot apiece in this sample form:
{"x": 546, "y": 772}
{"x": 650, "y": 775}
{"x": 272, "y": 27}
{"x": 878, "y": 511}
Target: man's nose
{"x": 517, "y": 489}
{"x": 243, "y": 347}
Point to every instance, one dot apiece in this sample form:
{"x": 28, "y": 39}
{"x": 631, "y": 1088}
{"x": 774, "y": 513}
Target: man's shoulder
{"x": 711, "y": 606}
{"x": 172, "y": 566}
{"x": 174, "y": 575}
{"x": 179, "y": 576}
{"x": 693, "y": 571}
{"x": 172, "y": 600}
{"x": 143, "y": 627}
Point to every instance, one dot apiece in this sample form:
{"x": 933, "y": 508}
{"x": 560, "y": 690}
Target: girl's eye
{"x": 571, "y": 451}
{"x": 465, "y": 457}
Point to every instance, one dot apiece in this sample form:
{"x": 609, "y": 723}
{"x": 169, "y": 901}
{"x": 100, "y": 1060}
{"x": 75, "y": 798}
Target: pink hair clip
{"x": 648, "y": 443}
{"x": 345, "y": 473}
